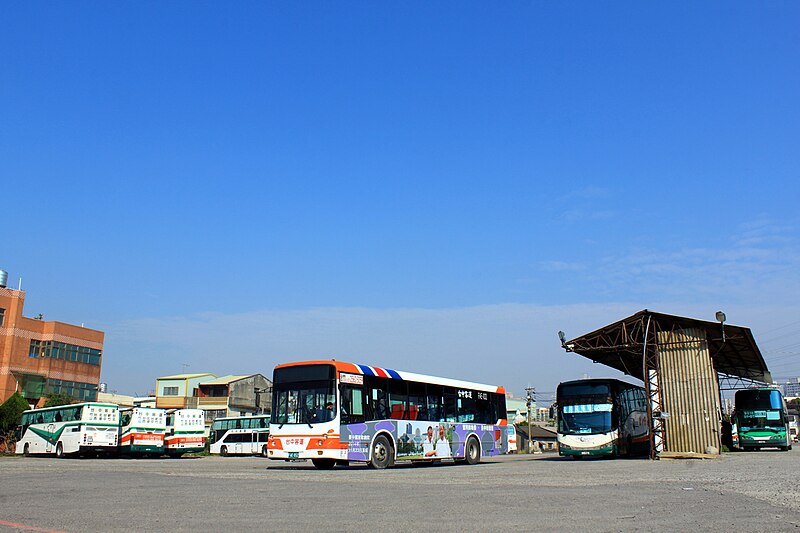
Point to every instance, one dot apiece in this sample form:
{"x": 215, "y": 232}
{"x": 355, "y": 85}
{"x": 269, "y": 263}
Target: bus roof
{"x": 597, "y": 380}
{"x": 353, "y": 368}
{"x": 243, "y": 417}
{"x": 70, "y": 405}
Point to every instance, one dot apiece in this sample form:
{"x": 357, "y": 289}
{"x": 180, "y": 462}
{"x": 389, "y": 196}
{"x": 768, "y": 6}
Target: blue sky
{"x": 435, "y": 188}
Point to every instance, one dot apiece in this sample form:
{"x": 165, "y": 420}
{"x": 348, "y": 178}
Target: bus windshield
{"x": 304, "y": 394}
{"x": 760, "y": 408}
{"x": 763, "y": 418}
{"x": 304, "y": 402}
{"x": 585, "y": 419}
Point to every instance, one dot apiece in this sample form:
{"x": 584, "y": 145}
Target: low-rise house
{"x": 235, "y": 396}
{"x": 542, "y": 439}
{"x": 180, "y": 391}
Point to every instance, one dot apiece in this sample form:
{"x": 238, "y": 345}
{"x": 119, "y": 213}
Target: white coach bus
{"x": 69, "y": 429}
{"x": 239, "y": 435}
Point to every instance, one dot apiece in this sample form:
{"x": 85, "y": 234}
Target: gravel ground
{"x": 757, "y": 490}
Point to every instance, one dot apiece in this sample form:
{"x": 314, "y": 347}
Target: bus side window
{"x": 449, "y": 401}
{"x": 434, "y": 403}
{"x": 398, "y": 398}
{"x": 417, "y": 403}
{"x": 379, "y": 399}
{"x": 352, "y": 404}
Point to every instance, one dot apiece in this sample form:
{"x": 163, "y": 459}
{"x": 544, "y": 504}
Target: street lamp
{"x": 721, "y": 319}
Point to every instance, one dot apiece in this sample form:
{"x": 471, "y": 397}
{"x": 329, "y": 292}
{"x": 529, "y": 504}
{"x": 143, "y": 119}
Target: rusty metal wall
{"x": 690, "y": 391}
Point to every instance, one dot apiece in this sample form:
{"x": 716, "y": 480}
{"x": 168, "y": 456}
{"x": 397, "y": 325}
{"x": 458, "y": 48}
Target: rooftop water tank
{"x": 3, "y": 278}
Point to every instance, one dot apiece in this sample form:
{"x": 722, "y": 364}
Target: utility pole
{"x": 530, "y": 399}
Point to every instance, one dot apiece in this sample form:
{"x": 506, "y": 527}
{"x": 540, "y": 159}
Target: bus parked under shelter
{"x": 601, "y": 417}
{"x": 760, "y": 420}
{"x": 335, "y": 412}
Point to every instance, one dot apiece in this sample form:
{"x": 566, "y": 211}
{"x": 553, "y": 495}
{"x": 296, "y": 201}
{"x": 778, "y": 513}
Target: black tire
{"x": 264, "y": 451}
{"x": 472, "y": 451}
{"x": 784, "y": 448}
{"x": 59, "y": 451}
{"x": 223, "y": 451}
{"x": 26, "y": 451}
{"x": 382, "y": 454}
{"x": 324, "y": 464}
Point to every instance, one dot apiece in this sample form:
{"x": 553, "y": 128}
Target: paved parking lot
{"x": 757, "y": 491}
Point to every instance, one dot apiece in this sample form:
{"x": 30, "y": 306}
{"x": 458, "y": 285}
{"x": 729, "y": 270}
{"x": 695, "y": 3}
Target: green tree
{"x": 57, "y": 399}
{"x": 11, "y": 412}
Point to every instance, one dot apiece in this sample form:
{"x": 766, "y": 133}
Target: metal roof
{"x": 226, "y": 380}
{"x": 620, "y": 345}
{"x": 186, "y": 376}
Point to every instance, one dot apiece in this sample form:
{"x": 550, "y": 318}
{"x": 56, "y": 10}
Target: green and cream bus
{"x": 142, "y": 430}
{"x": 69, "y": 429}
{"x": 601, "y": 417}
{"x": 186, "y": 431}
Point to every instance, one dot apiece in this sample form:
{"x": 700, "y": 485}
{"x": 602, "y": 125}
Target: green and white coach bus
{"x": 69, "y": 429}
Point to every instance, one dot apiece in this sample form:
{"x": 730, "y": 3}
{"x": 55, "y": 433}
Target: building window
{"x": 86, "y": 392}
{"x": 170, "y": 391}
{"x": 213, "y": 414}
{"x": 67, "y": 352}
{"x": 2, "y": 316}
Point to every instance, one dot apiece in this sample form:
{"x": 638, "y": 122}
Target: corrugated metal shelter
{"x": 682, "y": 362}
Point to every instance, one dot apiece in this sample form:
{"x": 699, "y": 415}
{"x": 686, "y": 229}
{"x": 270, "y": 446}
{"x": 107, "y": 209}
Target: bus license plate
{"x": 294, "y": 455}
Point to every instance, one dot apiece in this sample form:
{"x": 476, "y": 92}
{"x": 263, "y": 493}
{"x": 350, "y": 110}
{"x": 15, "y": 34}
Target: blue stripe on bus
{"x": 366, "y": 370}
{"x": 393, "y": 374}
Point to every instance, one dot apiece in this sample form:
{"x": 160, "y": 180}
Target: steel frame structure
{"x": 631, "y": 345}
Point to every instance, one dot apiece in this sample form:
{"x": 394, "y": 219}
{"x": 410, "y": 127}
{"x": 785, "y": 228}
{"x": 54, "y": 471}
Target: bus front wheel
{"x": 59, "y": 450}
{"x": 223, "y": 451}
{"x": 26, "y": 451}
{"x": 381, "y": 453}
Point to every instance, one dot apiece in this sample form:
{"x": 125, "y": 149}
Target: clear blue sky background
{"x": 431, "y": 187}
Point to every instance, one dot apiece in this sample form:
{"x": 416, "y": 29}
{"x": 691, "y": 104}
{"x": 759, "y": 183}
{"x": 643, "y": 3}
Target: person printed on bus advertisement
{"x": 442, "y": 444}
{"x": 428, "y": 445}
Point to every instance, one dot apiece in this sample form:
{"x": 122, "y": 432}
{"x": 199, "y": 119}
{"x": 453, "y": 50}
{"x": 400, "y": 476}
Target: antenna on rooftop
{"x": 184, "y": 366}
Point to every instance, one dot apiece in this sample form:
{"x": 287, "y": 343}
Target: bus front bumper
{"x": 565, "y": 450}
{"x": 315, "y": 447}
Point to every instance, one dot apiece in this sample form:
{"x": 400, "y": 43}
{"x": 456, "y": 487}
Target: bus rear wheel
{"x": 264, "y": 451}
{"x": 382, "y": 453}
{"x": 324, "y": 464}
{"x": 472, "y": 453}
{"x": 59, "y": 450}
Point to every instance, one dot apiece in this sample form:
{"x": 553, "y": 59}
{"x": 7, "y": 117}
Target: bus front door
{"x": 48, "y": 444}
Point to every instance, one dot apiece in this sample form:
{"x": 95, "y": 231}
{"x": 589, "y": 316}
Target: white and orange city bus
{"x": 185, "y": 431}
{"x": 334, "y": 412}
